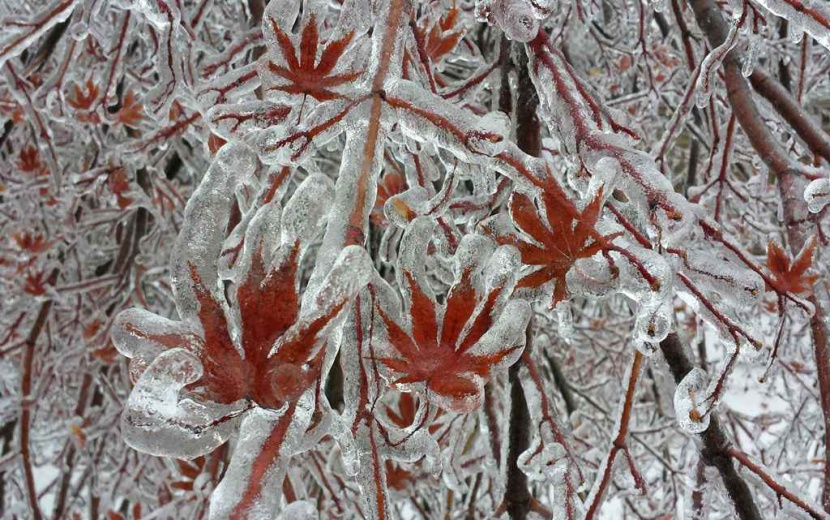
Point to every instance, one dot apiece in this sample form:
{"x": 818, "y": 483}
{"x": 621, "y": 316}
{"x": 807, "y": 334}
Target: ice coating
{"x": 267, "y": 440}
{"x": 138, "y": 333}
{"x": 809, "y": 16}
{"x": 304, "y": 213}
{"x": 14, "y": 43}
{"x": 158, "y": 421}
{"x": 200, "y": 240}
{"x": 453, "y": 129}
{"x": 299, "y": 511}
{"x": 711, "y": 64}
{"x": 743, "y": 288}
{"x": 239, "y": 119}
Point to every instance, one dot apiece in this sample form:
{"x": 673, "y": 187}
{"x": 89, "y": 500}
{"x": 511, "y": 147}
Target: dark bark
{"x": 517, "y": 496}
{"x": 517, "y": 499}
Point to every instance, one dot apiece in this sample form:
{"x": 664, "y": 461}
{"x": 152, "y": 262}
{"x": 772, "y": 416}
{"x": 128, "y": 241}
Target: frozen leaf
{"x": 266, "y": 348}
{"x": 554, "y": 235}
{"x": 792, "y": 276}
{"x": 451, "y": 349}
{"x": 297, "y": 71}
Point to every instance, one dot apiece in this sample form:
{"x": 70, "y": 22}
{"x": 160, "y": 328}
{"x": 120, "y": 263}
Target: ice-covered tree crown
{"x": 307, "y": 259}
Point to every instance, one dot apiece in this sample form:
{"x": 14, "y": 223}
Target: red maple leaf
{"x": 131, "y": 112}
{"x": 32, "y": 243}
{"x": 279, "y": 351}
{"x": 441, "y": 39}
{"x": 119, "y": 185}
{"x": 444, "y": 347}
{"x": 305, "y": 75}
{"x": 269, "y": 306}
{"x": 35, "y": 283}
{"x": 29, "y": 161}
{"x": 82, "y": 99}
{"x": 553, "y": 237}
{"x": 791, "y": 276}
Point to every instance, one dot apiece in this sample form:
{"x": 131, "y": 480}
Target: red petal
{"x": 526, "y": 217}
{"x": 424, "y": 326}
{"x": 308, "y": 44}
{"x": 804, "y": 260}
{"x": 462, "y": 392}
{"x": 536, "y": 278}
{"x": 225, "y": 378}
{"x": 332, "y": 53}
{"x": 286, "y": 46}
{"x": 268, "y": 305}
{"x": 461, "y": 302}
{"x": 482, "y": 365}
{"x": 398, "y": 338}
{"x": 483, "y": 321}
{"x": 777, "y": 259}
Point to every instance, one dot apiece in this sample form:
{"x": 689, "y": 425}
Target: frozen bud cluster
{"x": 691, "y": 406}
{"x": 519, "y": 19}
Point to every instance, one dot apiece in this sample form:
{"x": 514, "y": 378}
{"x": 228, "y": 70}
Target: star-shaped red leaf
{"x": 446, "y": 347}
{"x": 553, "y": 237}
{"x": 301, "y": 70}
{"x": 791, "y": 276}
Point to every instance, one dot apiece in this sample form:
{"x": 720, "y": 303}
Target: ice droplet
{"x": 689, "y": 405}
{"x": 519, "y": 19}
{"x": 817, "y": 195}
{"x": 653, "y": 322}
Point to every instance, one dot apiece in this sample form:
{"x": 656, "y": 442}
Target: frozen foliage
{"x": 305, "y": 259}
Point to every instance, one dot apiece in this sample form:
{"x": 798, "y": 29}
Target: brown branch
{"x": 774, "y": 484}
{"x": 792, "y": 112}
{"x": 26, "y": 395}
{"x": 716, "y": 445}
{"x": 604, "y": 479}
{"x": 517, "y": 497}
{"x": 492, "y": 421}
{"x": 561, "y": 383}
{"x": 71, "y": 452}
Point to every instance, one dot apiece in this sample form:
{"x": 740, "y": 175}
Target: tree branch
{"x": 793, "y": 113}
{"x": 711, "y": 21}
{"x": 25, "y": 394}
{"x": 716, "y": 445}
{"x": 517, "y": 498}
